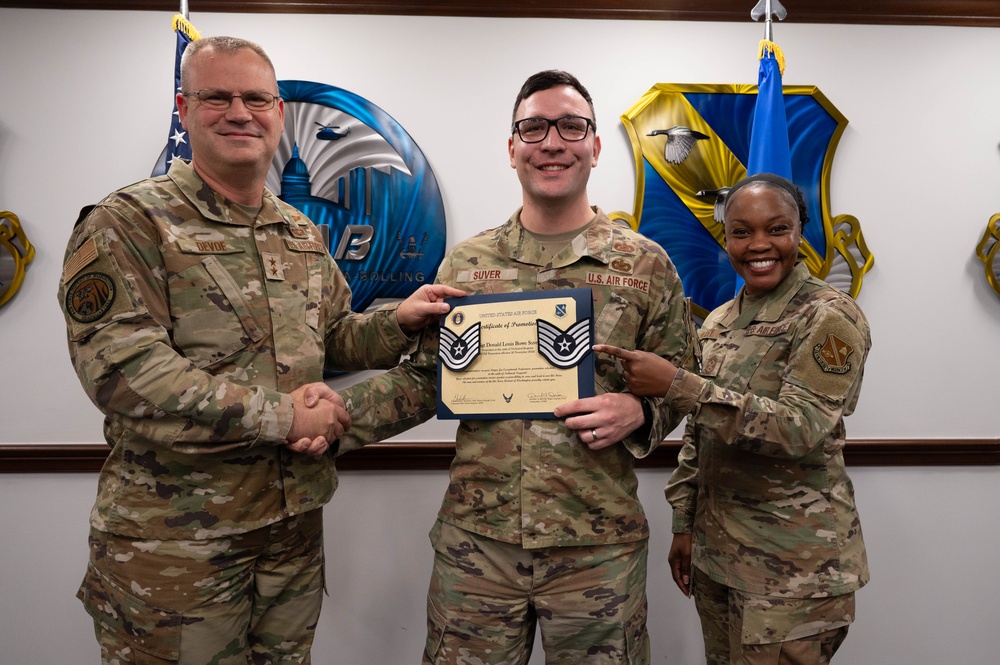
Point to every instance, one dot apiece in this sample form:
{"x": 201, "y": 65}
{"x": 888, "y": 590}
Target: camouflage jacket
{"x": 189, "y": 324}
{"x": 761, "y": 481}
{"x": 532, "y": 482}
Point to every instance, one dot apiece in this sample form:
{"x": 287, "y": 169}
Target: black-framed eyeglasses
{"x": 570, "y": 128}
{"x": 254, "y": 100}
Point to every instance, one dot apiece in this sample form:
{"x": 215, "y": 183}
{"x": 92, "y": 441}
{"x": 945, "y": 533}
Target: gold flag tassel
{"x": 183, "y": 25}
{"x": 766, "y": 47}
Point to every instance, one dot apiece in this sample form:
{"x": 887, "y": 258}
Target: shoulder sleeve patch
{"x": 832, "y": 356}
{"x": 94, "y": 290}
{"x": 90, "y": 297}
{"x": 83, "y": 257}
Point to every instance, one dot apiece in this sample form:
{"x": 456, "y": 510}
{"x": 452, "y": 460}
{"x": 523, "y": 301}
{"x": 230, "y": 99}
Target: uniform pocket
{"x": 637, "y": 637}
{"x": 435, "y": 634}
{"x": 149, "y": 629}
{"x": 212, "y": 319}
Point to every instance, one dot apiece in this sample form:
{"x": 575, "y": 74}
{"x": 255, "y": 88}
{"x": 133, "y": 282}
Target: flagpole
{"x": 769, "y": 148}
{"x": 768, "y": 8}
{"x": 177, "y": 145}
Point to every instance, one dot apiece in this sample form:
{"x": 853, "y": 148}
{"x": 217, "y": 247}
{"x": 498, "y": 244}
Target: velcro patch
{"x": 767, "y": 329}
{"x": 625, "y": 281}
{"x": 90, "y": 296}
{"x": 83, "y": 257}
{"x": 622, "y": 265}
{"x": 486, "y": 275}
{"x": 832, "y": 355}
{"x": 297, "y": 245}
{"x": 194, "y": 246}
{"x": 274, "y": 269}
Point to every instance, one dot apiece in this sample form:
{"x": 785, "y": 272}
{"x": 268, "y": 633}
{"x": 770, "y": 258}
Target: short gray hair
{"x": 222, "y": 45}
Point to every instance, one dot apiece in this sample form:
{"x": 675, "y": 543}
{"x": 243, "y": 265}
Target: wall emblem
{"x": 357, "y": 174}
{"x": 691, "y": 143}
{"x": 15, "y": 254}
{"x": 986, "y": 250}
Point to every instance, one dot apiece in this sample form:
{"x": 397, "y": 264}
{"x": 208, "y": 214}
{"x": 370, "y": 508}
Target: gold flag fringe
{"x": 182, "y": 24}
{"x": 775, "y": 50}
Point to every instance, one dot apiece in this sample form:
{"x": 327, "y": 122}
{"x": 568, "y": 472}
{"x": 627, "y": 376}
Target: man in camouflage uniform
{"x": 201, "y": 312}
{"x": 540, "y": 524}
{"x": 764, "y": 511}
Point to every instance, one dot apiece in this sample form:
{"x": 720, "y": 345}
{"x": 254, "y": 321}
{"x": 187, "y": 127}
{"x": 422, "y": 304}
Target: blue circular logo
{"x": 360, "y": 177}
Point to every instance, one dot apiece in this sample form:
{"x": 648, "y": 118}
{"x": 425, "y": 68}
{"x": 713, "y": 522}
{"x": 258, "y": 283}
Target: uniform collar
{"x": 596, "y": 242}
{"x": 215, "y": 207}
{"x": 768, "y": 306}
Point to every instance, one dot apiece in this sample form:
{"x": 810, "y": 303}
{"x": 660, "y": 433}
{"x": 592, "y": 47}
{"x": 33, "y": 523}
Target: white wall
{"x": 85, "y": 97}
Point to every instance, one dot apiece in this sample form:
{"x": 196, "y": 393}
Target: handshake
{"x": 320, "y": 418}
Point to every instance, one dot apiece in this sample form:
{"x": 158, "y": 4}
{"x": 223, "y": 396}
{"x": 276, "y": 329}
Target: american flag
{"x": 177, "y": 144}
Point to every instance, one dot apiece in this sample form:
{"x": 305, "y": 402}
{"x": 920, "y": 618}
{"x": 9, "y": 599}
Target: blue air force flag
{"x": 769, "y": 151}
{"x": 177, "y": 144}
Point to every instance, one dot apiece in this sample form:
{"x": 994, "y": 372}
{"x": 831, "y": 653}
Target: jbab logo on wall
{"x": 691, "y": 143}
{"x": 357, "y": 174}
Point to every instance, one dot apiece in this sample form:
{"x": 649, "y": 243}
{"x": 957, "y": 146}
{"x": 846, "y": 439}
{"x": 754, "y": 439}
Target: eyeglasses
{"x": 569, "y": 127}
{"x": 254, "y": 100}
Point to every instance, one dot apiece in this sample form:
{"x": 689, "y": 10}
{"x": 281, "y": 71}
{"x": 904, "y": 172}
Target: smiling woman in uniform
{"x": 766, "y": 532}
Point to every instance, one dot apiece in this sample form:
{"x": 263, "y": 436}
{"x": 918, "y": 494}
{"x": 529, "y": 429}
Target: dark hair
{"x": 551, "y": 78}
{"x": 775, "y": 182}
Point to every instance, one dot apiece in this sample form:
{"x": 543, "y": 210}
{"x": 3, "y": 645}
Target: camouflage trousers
{"x": 252, "y": 598}
{"x": 486, "y": 598}
{"x": 746, "y": 629}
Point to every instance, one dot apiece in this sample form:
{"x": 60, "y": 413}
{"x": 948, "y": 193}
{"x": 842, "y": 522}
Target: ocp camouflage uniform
{"x": 761, "y": 481}
{"x": 190, "y": 320}
{"x": 532, "y": 484}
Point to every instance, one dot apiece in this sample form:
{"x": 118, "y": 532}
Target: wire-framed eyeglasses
{"x": 254, "y": 100}
{"x": 569, "y": 127}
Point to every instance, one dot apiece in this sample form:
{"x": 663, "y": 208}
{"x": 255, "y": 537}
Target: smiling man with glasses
{"x": 201, "y": 312}
{"x": 541, "y": 526}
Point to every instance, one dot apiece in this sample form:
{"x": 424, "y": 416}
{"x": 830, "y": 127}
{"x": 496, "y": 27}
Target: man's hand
{"x": 318, "y": 419}
{"x": 602, "y": 420}
{"x": 425, "y": 306}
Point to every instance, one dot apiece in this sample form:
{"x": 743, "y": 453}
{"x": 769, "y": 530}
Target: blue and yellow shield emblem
{"x": 691, "y": 143}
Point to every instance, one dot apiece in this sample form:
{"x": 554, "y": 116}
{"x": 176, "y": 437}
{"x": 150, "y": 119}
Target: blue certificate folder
{"x": 515, "y": 355}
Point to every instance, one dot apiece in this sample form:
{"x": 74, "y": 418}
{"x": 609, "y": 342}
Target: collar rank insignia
{"x": 833, "y": 354}
{"x": 458, "y": 351}
{"x": 564, "y": 349}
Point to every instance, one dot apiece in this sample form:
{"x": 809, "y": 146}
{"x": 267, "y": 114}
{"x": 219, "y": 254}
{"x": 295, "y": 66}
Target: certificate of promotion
{"x": 515, "y": 355}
